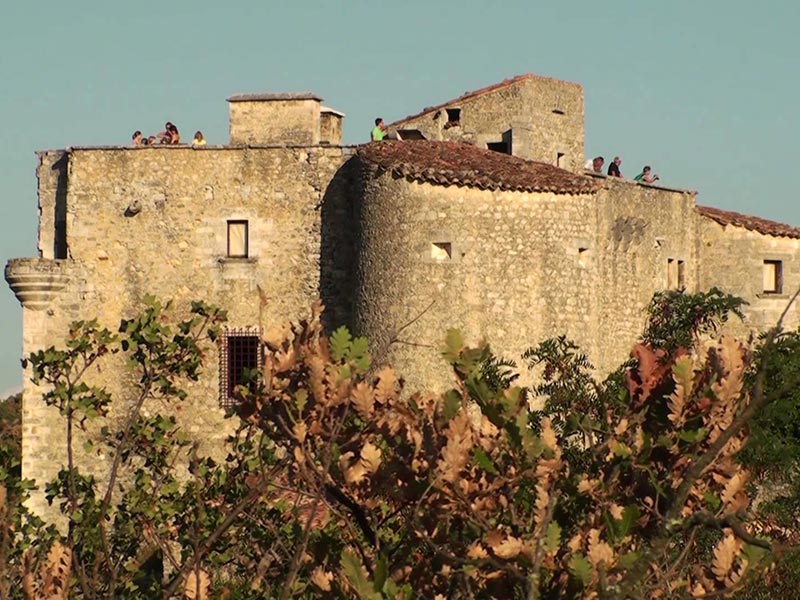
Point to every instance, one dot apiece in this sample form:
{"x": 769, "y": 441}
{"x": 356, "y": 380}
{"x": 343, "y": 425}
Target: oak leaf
{"x": 725, "y": 553}
{"x": 363, "y": 400}
{"x": 197, "y": 585}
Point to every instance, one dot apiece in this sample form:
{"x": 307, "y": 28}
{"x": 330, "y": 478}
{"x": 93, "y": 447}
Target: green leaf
{"x": 300, "y": 399}
{"x": 712, "y": 501}
{"x": 552, "y": 538}
{"x": 381, "y": 572}
{"x": 453, "y": 344}
{"x": 580, "y": 568}
{"x": 340, "y": 343}
{"x": 358, "y": 348}
{"x": 452, "y": 402}
{"x": 351, "y": 566}
{"x": 693, "y": 436}
{"x": 483, "y": 461}
{"x": 626, "y": 561}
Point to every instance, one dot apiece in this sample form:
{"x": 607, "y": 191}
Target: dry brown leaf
{"x": 363, "y": 400}
{"x": 386, "y": 388}
{"x": 599, "y": 551}
{"x": 680, "y": 398}
{"x": 197, "y": 585}
{"x": 508, "y": 548}
{"x": 55, "y": 572}
{"x": 725, "y": 554}
{"x": 476, "y": 551}
{"x": 457, "y": 450}
{"x": 367, "y": 463}
{"x": 322, "y": 579}
{"x": 733, "y": 487}
{"x": 548, "y": 434}
{"x": 299, "y": 431}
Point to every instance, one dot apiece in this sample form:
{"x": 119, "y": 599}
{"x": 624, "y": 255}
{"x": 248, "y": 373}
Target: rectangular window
{"x": 502, "y": 147}
{"x": 773, "y": 277}
{"x": 560, "y": 160}
{"x": 681, "y": 275}
{"x": 240, "y": 357}
{"x": 672, "y": 273}
{"x": 238, "y": 239}
{"x": 453, "y": 115}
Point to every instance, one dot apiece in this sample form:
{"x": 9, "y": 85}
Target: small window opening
{"x": 502, "y": 147}
{"x": 773, "y": 277}
{"x": 558, "y": 111}
{"x": 584, "y": 257}
{"x": 672, "y": 273}
{"x": 240, "y": 358}
{"x": 441, "y": 251}
{"x": 410, "y": 134}
{"x": 238, "y": 242}
{"x": 453, "y": 116}
{"x": 681, "y": 275}
{"x": 560, "y": 160}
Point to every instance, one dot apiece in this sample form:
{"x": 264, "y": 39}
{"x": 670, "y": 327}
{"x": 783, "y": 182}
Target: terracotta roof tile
{"x": 484, "y": 90}
{"x": 765, "y": 226}
{"x": 453, "y": 163}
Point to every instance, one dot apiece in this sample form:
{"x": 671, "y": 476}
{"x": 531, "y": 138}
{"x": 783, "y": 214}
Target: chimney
{"x": 275, "y": 119}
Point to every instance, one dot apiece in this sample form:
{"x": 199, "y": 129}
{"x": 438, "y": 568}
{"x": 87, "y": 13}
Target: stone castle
{"x": 482, "y": 218}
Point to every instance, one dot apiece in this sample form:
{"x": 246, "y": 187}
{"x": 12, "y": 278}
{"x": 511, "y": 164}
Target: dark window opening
{"x": 773, "y": 277}
{"x": 503, "y": 147}
{"x": 558, "y": 111}
{"x": 441, "y": 251}
{"x": 560, "y": 160}
{"x": 453, "y": 117}
{"x": 681, "y": 275}
{"x": 410, "y": 134}
{"x": 238, "y": 242}
{"x": 240, "y": 355}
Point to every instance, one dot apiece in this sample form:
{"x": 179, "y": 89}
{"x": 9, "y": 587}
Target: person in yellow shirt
{"x": 198, "y": 140}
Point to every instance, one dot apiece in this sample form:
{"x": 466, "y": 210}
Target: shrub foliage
{"x": 338, "y": 483}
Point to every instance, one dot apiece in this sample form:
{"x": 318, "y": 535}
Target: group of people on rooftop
{"x": 170, "y": 136}
{"x": 596, "y": 166}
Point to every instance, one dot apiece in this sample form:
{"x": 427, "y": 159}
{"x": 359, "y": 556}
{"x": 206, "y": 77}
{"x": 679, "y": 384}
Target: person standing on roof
{"x": 595, "y": 164}
{"x": 613, "y": 168}
{"x": 645, "y": 176}
{"x": 378, "y": 131}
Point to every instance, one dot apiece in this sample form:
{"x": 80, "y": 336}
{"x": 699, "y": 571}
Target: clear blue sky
{"x": 706, "y": 92}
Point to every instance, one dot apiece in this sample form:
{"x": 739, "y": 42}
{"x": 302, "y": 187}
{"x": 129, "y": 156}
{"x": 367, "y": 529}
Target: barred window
{"x": 240, "y": 353}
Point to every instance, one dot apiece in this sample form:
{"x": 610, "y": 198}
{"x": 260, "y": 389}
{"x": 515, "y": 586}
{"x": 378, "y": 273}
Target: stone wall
{"x": 643, "y": 233}
{"x": 540, "y": 118}
{"x": 154, "y": 221}
{"x": 52, "y": 176}
{"x": 732, "y": 259}
{"x": 505, "y": 281}
{"x": 522, "y": 268}
{"x": 292, "y": 121}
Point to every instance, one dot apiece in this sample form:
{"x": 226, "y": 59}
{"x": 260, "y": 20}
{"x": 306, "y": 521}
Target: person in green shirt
{"x": 645, "y": 176}
{"x": 378, "y": 131}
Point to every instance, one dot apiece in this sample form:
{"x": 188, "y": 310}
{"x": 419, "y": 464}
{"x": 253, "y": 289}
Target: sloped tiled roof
{"x": 453, "y": 163}
{"x": 468, "y": 95}
{"x": 757, "y": 224}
